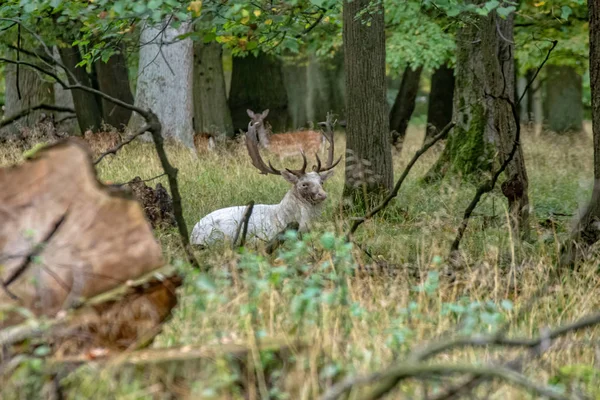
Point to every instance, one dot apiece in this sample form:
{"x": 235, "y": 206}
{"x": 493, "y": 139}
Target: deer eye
{"x": 304, "y": 185}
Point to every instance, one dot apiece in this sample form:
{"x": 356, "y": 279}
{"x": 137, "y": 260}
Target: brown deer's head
{"x": 308, "y": 186}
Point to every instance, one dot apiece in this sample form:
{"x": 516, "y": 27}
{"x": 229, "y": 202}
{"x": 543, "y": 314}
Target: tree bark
{"x": 257, "y": 84}
{"x": 404, "y": 105}
{"x": 369, "y": 168}
{"x": 485, "y": 125}
{"x": 587, "y": 231}
{"x": 326, "y": 87}
{"x": 563, "y": 103}
{"x": 33, "y": 90}
{"x": 87, "y": 108}
{"x": 439, "y": 109}
{"x": 295, "y": 78}
{"x": 164, "y": 82}
{"x": 113, "y": 79}
{"x": 211, "y": 111}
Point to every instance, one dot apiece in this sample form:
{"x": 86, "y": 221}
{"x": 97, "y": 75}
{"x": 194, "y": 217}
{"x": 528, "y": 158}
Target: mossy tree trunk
{"x": 563, "y": 104}
{"x": 369, "y": 169}
{"x": 113, "y": 79}
{"x": 211, "y": 111}
{"x": 485, "y": 126}
{"x": 439, "y": 109}
{"x": 586, "y": 231}
{"x": 404, "y": 105}
{"x": 31, "y": 91}
{"x": 257, "y": 84}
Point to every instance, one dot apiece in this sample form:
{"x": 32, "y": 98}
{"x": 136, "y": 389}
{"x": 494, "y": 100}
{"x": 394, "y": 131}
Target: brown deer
{"x": 301, "y": 204}
{"x": 285, "y": 144}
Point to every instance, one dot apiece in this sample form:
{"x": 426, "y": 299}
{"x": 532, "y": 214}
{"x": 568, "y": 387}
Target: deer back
{"x": 291, "y": 143}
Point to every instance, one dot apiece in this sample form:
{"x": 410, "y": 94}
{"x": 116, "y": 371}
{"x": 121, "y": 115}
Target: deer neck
{"x": 263, "y": 136}
{"x": 294, "y": 208}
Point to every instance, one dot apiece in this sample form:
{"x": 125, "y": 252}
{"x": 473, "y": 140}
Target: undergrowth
{"x": 348, "y": 308}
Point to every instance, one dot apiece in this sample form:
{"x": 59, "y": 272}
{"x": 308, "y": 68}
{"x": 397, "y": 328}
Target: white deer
{"x": 301, "y": 204}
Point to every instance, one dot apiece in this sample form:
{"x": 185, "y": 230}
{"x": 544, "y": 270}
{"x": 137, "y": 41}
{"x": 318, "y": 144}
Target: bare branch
{"x": 243, "y": 226}
{"x": 118, "y": 147}
{"x": 527, "y": 87}
{"x": 25, "y": 112}
{"x": 396, "y": 189}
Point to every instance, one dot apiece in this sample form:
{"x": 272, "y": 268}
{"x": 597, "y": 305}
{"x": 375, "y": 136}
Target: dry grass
{"x": 409, "y": 238}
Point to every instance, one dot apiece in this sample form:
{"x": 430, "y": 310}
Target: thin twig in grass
{"x": 125, "y": 142}
{"x": 488, "y": 186}
{"x": 144, "y": 180}
{"x": 359, "y": 221}
{"x": 243, "y": 226}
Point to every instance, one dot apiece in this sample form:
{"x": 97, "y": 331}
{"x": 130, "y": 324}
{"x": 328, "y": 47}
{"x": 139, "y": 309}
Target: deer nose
{"x": 321, "y": 195}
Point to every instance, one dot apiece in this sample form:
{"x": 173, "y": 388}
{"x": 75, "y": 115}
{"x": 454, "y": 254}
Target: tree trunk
{"x": 369, "y": 168}
{"x": 113, "y": 79}
{"x": 211, "y": 111}
{"x": 439, "y": 109}
{"x": 326, "y": 87}
{"x": 295, "y": 78}
{"x": 586, "y": 231}
{"x": 404, "y": 105}
{"x": 87, "y": 108}
{"x": 563, "y": 103}
{"x": 33, "y": 91}
{"x": 484, "y": 125}
{"x": 164, "y": 82}
{"x": 257, "y": 84}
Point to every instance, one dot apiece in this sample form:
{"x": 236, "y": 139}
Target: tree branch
{"x": 25, "y": 112}
{"x": 243, "y": 226}
{"x": 118, "y": 147}
{"x": 394, "y": 193}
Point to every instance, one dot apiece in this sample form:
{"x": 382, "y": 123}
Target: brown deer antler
{"x": 252, "y": 146}
{"x": 327, "y": 130}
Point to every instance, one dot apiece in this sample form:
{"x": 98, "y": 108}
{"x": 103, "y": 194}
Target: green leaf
{"x": 154, "y": 4}
{"x": 42, "y": 351}
{"x": 253, "y": 44}
{"x": 490, "y": 5}
{"x": 566, "y": 11}
{"x": 139, "y": 8}
{"x": 504, "y": 12}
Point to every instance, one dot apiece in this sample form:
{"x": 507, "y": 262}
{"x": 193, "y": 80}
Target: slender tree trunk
{"x": 563, "y": 103}
{"x": 439, "y": 109}
{"x": 326, "y": 87}
{"x": 369, "y": 169}
{"x": 586, "y": 231}
{"x": 484, "y": 125}
{"x": 257, "y": 84}
{"x": 211, "y": 111}
{"x": 87, "y": 108}
{"x": 165, "y": 81}
{"x": 113, "y": 79}
{"x": 33, "y": 91}
{"x": 404, "y": 105}
{"x": 295, "y": 78}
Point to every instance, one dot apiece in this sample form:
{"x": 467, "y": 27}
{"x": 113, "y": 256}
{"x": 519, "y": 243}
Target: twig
{"x": 35, "y": 251}
{"x": 26, "y": 111}
{"x": 144, "y": 180}
{"x": 405, "y": 371}
{"x": 243, "y": 226}
{"x": 554, "y": 43}
{"x": 118, "y": 147}
{"x": 396, "y": 189}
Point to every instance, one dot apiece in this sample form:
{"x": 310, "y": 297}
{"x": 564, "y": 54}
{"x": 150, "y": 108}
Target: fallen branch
{"x": 359, "y": 221}
{"x": 118, "y": 147}
{"x": 27, "y": 111}
{"x": 243, "y": 226}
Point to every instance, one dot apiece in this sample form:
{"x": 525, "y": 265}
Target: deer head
{"x": 261, "y": 128}
{"x": 308, "y": 186}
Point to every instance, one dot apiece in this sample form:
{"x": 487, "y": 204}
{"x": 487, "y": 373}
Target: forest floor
{"x": 360, "y": 324}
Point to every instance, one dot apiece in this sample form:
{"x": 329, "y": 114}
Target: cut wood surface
{"x": 65, "y": 236}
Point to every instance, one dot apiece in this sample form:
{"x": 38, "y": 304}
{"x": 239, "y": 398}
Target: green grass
{"x": 361, "y": 324}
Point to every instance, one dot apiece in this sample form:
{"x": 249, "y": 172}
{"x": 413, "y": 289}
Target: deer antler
{"x": 252, "y": 146}
{"x": 328, "y": 133}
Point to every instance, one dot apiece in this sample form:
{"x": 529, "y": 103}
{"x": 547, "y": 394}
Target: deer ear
{"x": 250, "y": 113}
{"x": 326, "y": 175}
{"x": 265, "y": 113}
{"x": 291, "y": 178}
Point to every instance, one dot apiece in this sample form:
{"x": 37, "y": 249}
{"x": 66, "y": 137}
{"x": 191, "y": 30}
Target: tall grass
{"x": 356, "y": 323}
